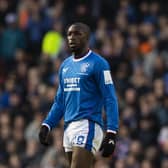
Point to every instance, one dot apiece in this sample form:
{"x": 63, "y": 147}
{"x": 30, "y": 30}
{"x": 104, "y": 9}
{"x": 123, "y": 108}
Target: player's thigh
{"x": 81, "y": 158}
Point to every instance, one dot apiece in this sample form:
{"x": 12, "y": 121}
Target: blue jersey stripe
{"x": 90, "y": 136}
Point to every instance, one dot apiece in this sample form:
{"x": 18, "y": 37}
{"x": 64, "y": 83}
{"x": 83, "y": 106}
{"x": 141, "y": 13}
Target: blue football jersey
{"x": 85, "y": 86}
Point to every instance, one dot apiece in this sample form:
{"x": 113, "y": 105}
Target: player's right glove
{"x": 108, "y": 144}
{"x": 43, "y": 135}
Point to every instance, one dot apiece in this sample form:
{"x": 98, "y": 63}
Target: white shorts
{"x": 83, "y": 133}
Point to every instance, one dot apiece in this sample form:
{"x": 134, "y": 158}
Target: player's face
{"x": 77, "y": 38}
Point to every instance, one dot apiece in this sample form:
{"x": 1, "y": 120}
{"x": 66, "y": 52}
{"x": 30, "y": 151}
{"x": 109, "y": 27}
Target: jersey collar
{"x": 79, "y": 59}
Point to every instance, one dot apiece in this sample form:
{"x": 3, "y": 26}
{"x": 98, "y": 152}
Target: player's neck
{"x": 80, "y": 54}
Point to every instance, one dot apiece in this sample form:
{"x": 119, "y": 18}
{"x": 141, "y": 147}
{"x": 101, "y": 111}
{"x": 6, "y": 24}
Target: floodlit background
{"x": 131, "y": 35}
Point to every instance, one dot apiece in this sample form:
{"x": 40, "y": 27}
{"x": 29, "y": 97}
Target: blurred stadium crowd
{"x": 131, "y": 35}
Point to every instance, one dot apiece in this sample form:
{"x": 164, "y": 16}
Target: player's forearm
{"x": 111, "y": 107}
{"x": 54, "y": 116}
{"x": 112, "y": 117}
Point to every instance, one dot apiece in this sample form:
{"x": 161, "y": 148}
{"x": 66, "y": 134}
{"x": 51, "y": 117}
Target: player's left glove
{"x": 108, "y": 144}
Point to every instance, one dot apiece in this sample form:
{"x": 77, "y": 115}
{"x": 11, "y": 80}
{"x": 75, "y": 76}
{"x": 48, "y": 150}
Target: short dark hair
{"x": 83, "y": 26}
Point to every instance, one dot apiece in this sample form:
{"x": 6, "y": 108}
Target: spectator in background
{"x": 12, "y": 37}
{"x": 55, "y": 38}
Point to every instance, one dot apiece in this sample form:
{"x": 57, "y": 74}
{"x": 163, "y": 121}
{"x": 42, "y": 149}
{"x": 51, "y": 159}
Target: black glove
{"x": 108, "y": 144}
{"x": 43, "y": 135}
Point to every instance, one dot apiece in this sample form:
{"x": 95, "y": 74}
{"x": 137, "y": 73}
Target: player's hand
{"x": 43, "y": 135}
{"x": 108, "y": 144}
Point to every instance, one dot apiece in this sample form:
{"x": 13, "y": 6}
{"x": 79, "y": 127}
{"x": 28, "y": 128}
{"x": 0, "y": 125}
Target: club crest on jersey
{"x": 84, "y": 67}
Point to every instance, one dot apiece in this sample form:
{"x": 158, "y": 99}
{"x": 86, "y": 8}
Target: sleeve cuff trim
{"x": 47, "y": 126}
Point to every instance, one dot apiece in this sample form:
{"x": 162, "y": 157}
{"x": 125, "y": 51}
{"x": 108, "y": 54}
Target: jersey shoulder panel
{"x": 99, "y": 60}
{"x": 67, "y": 60}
